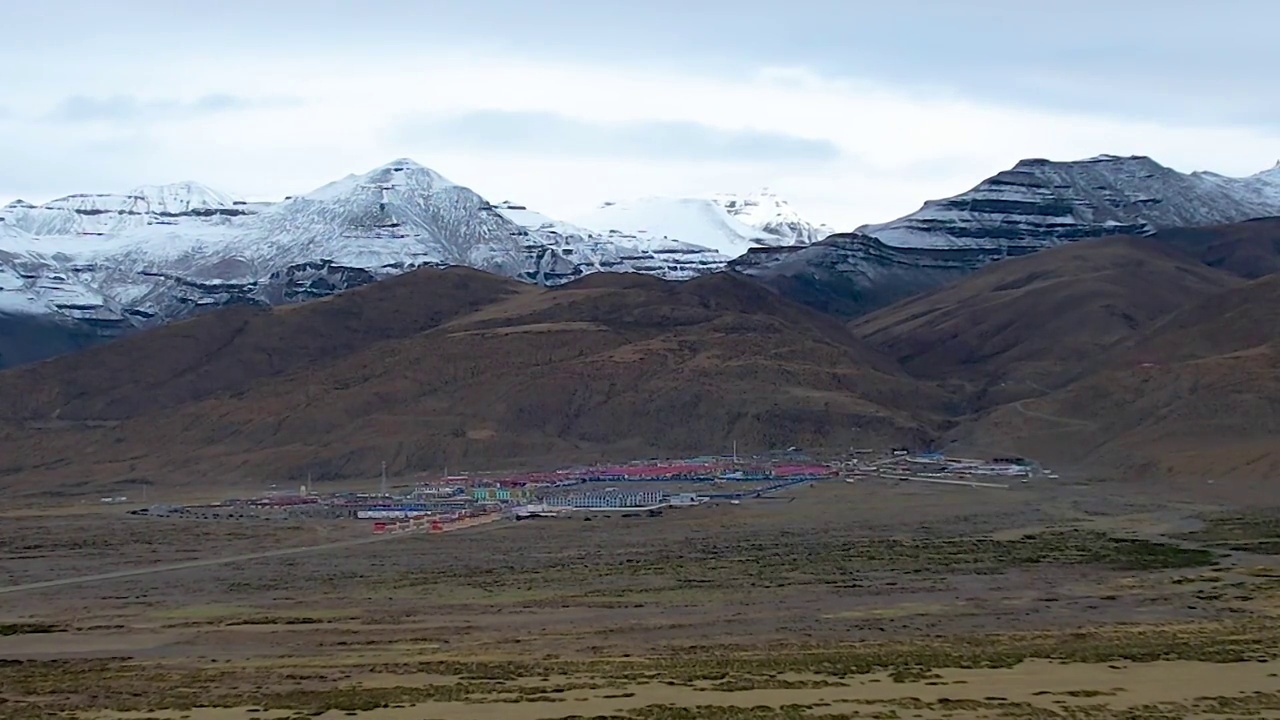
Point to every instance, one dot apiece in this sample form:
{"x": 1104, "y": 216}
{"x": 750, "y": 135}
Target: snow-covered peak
{"x": 756, "y": 208}
{"x": 1040, "y": 202}
{"x": 764, "y": 210}
{"x": 402, "y": 174}
{"x": 172, "y": 199}
{"x": 19, "y": 204}
{"x": 182, "y": 197}
{"x": 696, "y": 221}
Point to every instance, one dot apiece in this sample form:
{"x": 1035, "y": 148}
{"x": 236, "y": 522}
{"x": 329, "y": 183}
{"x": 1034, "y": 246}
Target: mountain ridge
{"x": 116, "y": 262}
{"x": 1036, "y": 204}
{"x": 485, "y": 371}
{"x": 158, "y": 253}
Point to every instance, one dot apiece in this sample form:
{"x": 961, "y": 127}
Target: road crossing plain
{"x": 891, "y": 580}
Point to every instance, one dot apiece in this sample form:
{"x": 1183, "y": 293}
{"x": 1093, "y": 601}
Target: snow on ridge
{"x": 756, "y": 207}
{"x": 536, "y": 221}
{"x": 147, "y": 249}
{"x": 695, "y": 221}
{"x": 765, "y": 210}
{"x": 181, "y": 197}
{"x": 399, "y": 174}
{"x": 171, "y": 199}
{"x": 1041, "y": 202}
{"x": 14, "y": 239}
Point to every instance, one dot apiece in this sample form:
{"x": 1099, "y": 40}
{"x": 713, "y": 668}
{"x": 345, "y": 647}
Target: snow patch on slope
{"x": 616, "y": 251}
{"x": 695, "y": 221}
{"x": 765, "y": 211}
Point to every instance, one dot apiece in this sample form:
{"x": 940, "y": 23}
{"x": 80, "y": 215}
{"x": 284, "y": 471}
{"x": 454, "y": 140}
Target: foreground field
{"x": 837, "y": 600}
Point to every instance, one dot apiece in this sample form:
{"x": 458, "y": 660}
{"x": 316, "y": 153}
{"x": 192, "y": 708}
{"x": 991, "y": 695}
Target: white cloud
{"x": 897, "y": 147}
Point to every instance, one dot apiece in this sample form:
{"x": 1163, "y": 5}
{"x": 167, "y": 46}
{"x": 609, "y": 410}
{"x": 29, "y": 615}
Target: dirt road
{"x": 188, "y": 564}
{"x": 1045, "y": 416}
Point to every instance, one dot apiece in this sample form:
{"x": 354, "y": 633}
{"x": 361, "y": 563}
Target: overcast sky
{"x": 856, "y": 111}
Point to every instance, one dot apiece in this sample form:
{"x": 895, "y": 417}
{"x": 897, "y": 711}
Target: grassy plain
{"x": 866, "y": 600}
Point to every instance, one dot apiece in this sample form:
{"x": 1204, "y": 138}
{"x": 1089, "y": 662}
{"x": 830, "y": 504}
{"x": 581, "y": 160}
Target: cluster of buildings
{"x": 630, "y": 486}
{"x": 611, "y": 499}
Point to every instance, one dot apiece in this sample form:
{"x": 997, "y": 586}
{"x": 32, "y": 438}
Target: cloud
{"x": 131, "y": 108}
{"x": 570, "y": 134}
{"x": 549, "y": 133}
{"x": 36, "y": 165}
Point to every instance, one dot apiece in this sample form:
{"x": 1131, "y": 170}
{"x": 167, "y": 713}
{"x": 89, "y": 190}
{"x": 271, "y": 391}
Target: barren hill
{"x": 1023, "y": 325}
{"x": 1196, "y": 396}
{"x": 454, "y": 367}
{"x": 227, "y": 351}
{"x": 1249, "y": 249}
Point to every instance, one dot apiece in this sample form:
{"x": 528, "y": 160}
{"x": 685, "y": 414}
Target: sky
{"x": 854, "y": 111}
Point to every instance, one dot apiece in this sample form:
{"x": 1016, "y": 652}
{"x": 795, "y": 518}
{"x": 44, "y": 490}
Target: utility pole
{"x": 384, "y": 478}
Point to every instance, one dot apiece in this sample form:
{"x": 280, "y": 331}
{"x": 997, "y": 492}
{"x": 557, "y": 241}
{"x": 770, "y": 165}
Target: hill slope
{"x": 1249, "y": 249}
{"x": 1196, "y": 396}
{"x": 611, "y": 365}
{"x": 1039, "y": 321}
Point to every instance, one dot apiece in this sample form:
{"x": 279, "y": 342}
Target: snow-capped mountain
{"x": 156, "y": 253}
{"x": 728, "y": 224}
{"x": 615, "y": 251}
{"x": 1039, "y": 203}
{"x": 1034, "y": 205}
{"x": 161, "y": 251}
{"x": 765, "y": 211}
{"x": 108, "y": 263}
{"x": 110, "y": 214}
{"x": 694, "y": 221}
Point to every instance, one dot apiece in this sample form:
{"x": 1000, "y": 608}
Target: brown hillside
{"x": 1027, "y": 324}
{"x": 1196, "y": 396}
{"x": 227, "y": 351}
{"x": 1228, "y": 322}
{"x": 506, "y": 375}
{"x": 1249, "y": 249}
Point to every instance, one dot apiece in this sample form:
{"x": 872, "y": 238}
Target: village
{"x": 450, "y": 502}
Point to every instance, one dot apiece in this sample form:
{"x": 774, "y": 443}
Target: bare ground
{"x": 804, "y": 600}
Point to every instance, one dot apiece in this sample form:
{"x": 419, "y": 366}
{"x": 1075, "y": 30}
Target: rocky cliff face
{"x": 1045, "y": 203}
{"x": 1035, "y": 205}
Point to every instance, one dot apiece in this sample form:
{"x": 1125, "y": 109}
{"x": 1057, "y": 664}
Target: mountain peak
{"x": 764, "y": 210}
{"x": 1104, "y": 159}
{"x": 1039, "y": 203}
{"x": 171, "y": 199}
{"x": 406, "y": 171}
{"x": 404, "y": 163}
{"x": 404, "y": 174}
{"x": 179, "y": 197}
